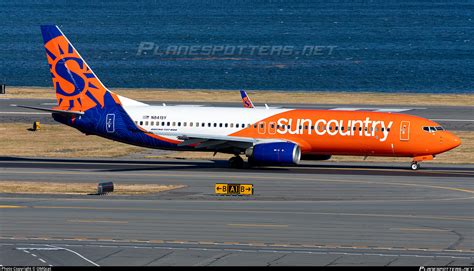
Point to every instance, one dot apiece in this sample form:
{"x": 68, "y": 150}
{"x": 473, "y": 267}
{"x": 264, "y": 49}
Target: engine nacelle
{"x": 315, "y": 157}
{"x": 274, "y": 153}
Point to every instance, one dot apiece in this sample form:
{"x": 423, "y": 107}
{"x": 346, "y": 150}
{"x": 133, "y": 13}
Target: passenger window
{"x": 168, "y": 123}
{"x": 179, "y": 123}
{"x": 226, "y": 125}
{"x": 141, "y": 122}
{"x": 236, "y": 125}
{"x": 231, "y": 125}
{"x": 146, "y": 123}
{"x": 215, "y": 124}
{"x": 184, "y": 124}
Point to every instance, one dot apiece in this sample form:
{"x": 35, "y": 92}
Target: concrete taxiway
{"x": 451, "y": 117}
{"x": 317, "y": 214}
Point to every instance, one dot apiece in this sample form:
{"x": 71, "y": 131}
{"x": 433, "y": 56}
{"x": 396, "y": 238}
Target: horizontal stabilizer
{"x": 58, "y": 111}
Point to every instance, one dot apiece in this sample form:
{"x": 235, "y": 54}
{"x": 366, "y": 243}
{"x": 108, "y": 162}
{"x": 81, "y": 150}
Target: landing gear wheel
{"x": 415, "y": 165}
{"x": 236, "y": 162}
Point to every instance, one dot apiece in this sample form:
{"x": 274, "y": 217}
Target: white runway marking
{"x": 24, "y": 249}
{"x": 373, "y": 109}
{"x": 72, "y": 251}
{"x": 453, "y": 120}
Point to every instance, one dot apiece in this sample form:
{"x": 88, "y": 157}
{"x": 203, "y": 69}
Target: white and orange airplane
{"x": 267, "y": 136}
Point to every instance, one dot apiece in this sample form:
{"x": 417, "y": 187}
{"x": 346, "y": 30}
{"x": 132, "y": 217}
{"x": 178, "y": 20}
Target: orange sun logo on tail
{"x": 77, "y": 88}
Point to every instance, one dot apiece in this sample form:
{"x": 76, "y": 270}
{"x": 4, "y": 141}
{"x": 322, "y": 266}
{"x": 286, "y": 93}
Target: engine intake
{"x": 274, "y": 153}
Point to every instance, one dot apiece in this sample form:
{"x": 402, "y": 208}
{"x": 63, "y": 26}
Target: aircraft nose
{"x": 452, "y": 141}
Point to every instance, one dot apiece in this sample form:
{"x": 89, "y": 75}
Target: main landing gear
{"x": 236, "y": 162}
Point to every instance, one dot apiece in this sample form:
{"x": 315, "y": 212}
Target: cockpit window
{"x": 432, "y": 129}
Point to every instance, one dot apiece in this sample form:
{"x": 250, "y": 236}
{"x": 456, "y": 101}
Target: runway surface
{"x": 451, "y": 117}
{"x": 317, "y": 214}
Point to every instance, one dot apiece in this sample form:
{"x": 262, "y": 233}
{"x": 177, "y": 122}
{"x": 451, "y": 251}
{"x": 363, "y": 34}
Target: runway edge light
{"x": 233, "y": 189}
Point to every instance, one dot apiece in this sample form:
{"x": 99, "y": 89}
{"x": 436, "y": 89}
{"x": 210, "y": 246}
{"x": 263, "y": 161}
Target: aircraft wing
{"x": 216, "y": 142}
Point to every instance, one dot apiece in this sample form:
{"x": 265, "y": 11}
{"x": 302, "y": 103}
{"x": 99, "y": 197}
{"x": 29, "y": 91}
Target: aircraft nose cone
{"x": 453, "y": 141}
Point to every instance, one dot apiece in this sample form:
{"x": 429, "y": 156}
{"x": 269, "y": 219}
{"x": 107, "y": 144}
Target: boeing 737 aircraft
{"x": 273, "y": 136}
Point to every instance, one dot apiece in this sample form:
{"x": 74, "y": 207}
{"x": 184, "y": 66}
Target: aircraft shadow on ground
{"x": 112, "y": 165}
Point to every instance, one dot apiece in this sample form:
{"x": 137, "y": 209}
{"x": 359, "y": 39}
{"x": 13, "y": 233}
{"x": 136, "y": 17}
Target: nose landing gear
{"x": 415, "y": 162}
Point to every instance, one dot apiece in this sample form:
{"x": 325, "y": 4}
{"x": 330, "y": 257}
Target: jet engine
{"x": 274, "y": 153}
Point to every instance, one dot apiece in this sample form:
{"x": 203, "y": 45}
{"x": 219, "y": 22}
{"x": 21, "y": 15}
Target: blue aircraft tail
{"x": 95, "y": 109}
{"x": 246, "y": 100}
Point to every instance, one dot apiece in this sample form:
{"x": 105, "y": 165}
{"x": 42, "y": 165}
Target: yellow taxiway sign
{"x": 233, "y": 189}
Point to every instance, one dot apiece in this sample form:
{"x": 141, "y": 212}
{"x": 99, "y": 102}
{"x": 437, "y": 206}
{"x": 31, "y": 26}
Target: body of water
{"x": 386, "y": 46}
